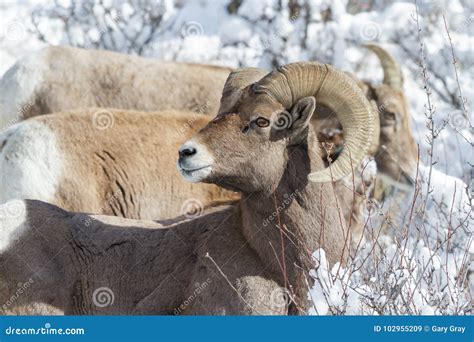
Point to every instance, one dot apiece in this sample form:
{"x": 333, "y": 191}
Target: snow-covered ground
{"x": 266, "y": 33}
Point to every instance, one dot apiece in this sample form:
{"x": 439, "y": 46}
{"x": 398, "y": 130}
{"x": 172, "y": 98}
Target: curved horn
{"x": 236, "y": 81}
{"x": 392, "y": 74}
{"x": 338, "y": 92}
{"x": 376, "y": 135}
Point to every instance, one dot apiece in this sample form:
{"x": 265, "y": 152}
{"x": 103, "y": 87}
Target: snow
{"x": 416, "y": 280}
{"x": 235, "y": 30}
{"x": 265, "y": 34}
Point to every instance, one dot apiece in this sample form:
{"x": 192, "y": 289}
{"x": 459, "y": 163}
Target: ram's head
{"x": 246, "y": 147}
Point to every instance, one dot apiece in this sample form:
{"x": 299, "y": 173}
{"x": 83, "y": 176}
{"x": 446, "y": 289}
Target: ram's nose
{"x": 194, "y": 162}
{"x": 190, "y": 154}
{"x": 186, "y": 151}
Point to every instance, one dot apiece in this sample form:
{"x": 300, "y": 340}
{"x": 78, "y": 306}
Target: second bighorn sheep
{"x": 394, "y": 148}
{"x": 248, "y": 261}
{"x": 397, "y": 154}
{"x": 125, "y": 168}
{"x": 61, "y": 78}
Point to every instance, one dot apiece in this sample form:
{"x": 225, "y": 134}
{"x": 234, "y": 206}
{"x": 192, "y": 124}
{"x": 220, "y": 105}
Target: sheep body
{"x": 126, "y": 169}
{"x": 115, "y": 255}
{"x": 60, "y": 78}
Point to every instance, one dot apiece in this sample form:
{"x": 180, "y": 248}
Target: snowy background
{"x": 429, "y": 276}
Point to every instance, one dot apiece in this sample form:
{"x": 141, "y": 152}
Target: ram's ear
{"x": 291, "y": 124}
{"x": 302, "y": 112}
{"x": 235, "y": 83}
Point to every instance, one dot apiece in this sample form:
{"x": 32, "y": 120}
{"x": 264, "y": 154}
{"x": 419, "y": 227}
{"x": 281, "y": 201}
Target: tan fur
{"x": 397, "y": 155}
{"x": 128, "y": 169}
{"x": 78, "y": 78}
{"x": 248, "y": 256}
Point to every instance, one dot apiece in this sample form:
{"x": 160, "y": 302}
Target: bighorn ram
{"x": 75, "y": 140}
{"x": 397, "y": 154}
{"x": 51, "y": 158}
{"x": 111, "y": 162}
{"x": 249, "y": 255}
{"x": 61, "y": 78}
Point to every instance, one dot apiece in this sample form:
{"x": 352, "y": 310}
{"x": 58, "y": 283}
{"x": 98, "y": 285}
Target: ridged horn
{"x": 236, "y": 81}
{"x": 376, "y": 135}
{"x": 392, "y": 74}
{"x": 338, "y": 92}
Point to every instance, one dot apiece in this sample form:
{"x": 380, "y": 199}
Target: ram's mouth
{"x": 195, "y": 174}
{"x": 190, "y": 170}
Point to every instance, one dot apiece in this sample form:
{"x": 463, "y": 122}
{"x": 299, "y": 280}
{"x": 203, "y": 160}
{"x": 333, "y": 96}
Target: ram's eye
{"x": 389, "y": 116}
{"x": 262, "y": 122}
